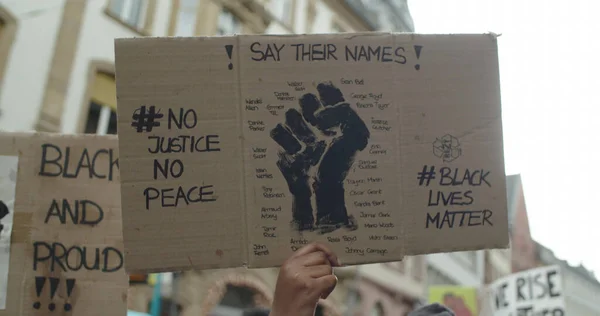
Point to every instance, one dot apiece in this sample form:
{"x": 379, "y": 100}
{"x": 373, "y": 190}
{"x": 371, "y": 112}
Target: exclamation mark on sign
{"x": 70, "y": 286}
{"x": 418, "y": 54}
{"x": 39, "y": 285}
{"x": 229, "y": 49}
{"x": 53, "y": 287}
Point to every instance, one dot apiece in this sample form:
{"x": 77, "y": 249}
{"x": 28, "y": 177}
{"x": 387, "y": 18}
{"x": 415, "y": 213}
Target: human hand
{"x": 303, "y": 278}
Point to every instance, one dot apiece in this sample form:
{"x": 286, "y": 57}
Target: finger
{"x": 294, "y": 120}
{"x": 327, "y": 285}
{"x": 314, "y": 259}
{"x": 330, "y": 94}
{"x": 285, "y": 139}
{"x": 319, "y": 271}
{"x": 333, "y": 259}
{"x": 309, "y": 103}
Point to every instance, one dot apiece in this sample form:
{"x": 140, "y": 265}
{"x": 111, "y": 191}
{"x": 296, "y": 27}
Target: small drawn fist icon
{"x": 311, "y": 145}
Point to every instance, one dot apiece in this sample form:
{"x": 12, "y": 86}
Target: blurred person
{"x": 307, "y": 276}
{"x": 457, "y": 304}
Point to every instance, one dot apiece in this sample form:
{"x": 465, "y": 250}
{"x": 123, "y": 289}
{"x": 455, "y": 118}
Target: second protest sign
{"x": 66, "y": 254}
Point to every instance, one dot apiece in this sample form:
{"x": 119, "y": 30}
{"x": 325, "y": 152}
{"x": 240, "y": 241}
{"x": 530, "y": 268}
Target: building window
{"x": 282, "y": 10}
{"x": 377, "y": 310}
{"x": 131, "y": 12}
{"x": 102, "y": 113}
{"x": 228, "y": 23}
{"x": 186, "y": 18}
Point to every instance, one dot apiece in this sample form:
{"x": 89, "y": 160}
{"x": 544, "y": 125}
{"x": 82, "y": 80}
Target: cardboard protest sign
{"x": 66, "y": 254}
{"x": 240, "y": 150}
{"x": 533, "y": 292}
{"x": 461, "y": 300}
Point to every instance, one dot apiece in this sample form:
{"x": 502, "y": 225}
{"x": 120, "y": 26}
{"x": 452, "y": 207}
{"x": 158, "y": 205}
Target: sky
{"x": 549, "y": 53}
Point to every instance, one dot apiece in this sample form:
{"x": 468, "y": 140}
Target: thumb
{"x": 327, "y": 285}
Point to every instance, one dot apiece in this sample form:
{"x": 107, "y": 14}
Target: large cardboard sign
{"x": 532, "y": 292}
{"x": 239, "y": 150}
{"x": 66, "y": 254}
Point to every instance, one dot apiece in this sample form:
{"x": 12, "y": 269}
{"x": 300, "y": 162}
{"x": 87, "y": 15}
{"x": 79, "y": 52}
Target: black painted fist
{"x": 303, "y": 151}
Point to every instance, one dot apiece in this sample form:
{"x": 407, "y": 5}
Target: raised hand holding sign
{"x": 332, "y": 161}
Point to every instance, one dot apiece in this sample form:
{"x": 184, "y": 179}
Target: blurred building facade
{"x": 57, "y": 74}
{"x": 581, "y": 288}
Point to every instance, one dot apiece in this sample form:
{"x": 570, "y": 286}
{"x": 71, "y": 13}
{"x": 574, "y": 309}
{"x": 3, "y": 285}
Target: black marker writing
{"x": 262, "y": 173}
{"x": 259, "y": 153}
{"x": 269, "y": 212}
{"x": 269, "y": 231}
{"x": 260, "y": 250}
{"x": 538, "y": 286}
{"x": 187, "y": 119}
{"x": 298, "y": 243}
{"x": 382, "y": 54}
{"x": 56, "y": 164}
{"x": 457, "y": 177}
{"x": 297, "y": 85}
{"x": 171, "y": 197}
{"x": 329, "y": 51}
{"x": 75, "y": 258}
{"x": 450, "y": 198}
{"x": 358, "y": 82}
{"x": 184, "y": 144}
{"x": 450, "y": 219}
{"x": 377, "y": 150}
{"x": 313, "y": 52}
{"x": 83, "y": 212}
{"x": 500, "y": 297}
{"x": 175, "y": 168}
{"x": 268, "y": 52}
{"x": 252, "y": 104}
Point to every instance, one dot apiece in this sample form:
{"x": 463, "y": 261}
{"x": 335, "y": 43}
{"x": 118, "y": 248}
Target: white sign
{"x": 8, "y": 180}
{"x": 535, "y": 292}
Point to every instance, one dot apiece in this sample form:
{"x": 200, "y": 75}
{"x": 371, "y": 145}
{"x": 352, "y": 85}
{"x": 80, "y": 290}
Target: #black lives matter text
{"x": 325, "y": 156}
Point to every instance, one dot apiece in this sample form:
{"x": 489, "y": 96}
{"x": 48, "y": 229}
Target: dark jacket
{"x": 427, "y": 310}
